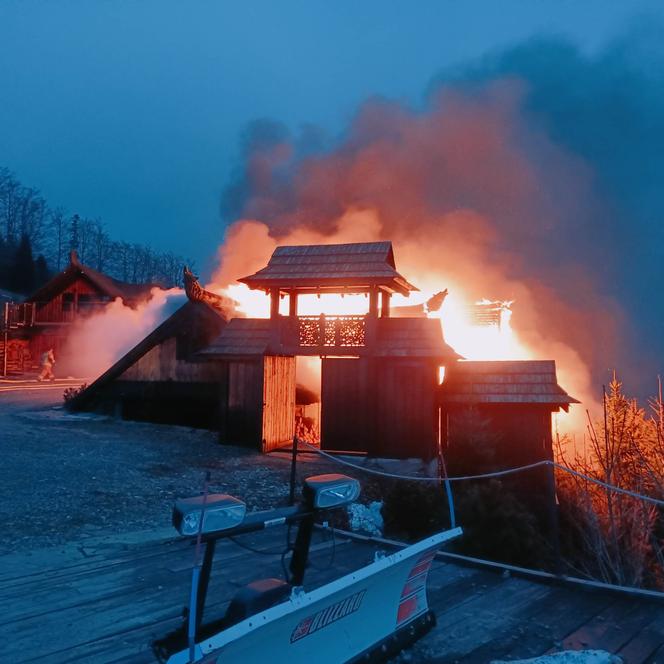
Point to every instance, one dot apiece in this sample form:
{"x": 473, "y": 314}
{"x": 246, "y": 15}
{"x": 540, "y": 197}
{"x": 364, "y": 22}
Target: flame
{"x": 473, "y": 341}
{"x": 480, "y": 342}
{"x": 256, "y": 304}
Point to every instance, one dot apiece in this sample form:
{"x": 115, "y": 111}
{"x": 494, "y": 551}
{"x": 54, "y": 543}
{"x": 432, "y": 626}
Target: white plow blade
{"x": 335, "y": 622}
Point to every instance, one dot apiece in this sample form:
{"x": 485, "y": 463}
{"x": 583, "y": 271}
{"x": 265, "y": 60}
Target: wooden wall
{"x": 241, "y": 411}
{"x": 522, "y": 431}
{"x": 19, "y": 358}
{"x": 258, "y": 405}
{"x": 278, "y": 401}
{"x": 53, "y": 311}
{"x": 345, "y": 404}
{"x": 406, "y": 409}
{"x": 161, "y": 363}
{"x": 384, "y": 407}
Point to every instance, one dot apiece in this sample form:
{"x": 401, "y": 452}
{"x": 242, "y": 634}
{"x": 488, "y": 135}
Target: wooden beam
{"x": 292, "y": 304}
{"x": 274, "y": 303}
{"x": 385, "y": 304}
{"x": 373, "y": 303}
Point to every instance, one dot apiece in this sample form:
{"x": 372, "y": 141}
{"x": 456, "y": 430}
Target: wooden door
{"x": 278, "y": 402}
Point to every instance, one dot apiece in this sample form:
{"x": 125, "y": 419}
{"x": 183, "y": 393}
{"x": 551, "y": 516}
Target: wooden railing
{"x": 331, "y": 331}
{"x": 15, "y": 315}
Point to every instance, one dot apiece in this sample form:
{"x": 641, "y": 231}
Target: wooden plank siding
{"x": 161, "y": 363}
{"x": 406, "y": 410}
{"x": 345, "y": 402}
{"x": 383, "y": 406}
{"x": 278, "y": 401}
{"x": 242, "y": 404}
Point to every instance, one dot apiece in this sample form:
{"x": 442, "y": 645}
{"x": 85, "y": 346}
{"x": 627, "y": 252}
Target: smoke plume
{"x": 97, "y": 342}
{"x": 530, "y": 176}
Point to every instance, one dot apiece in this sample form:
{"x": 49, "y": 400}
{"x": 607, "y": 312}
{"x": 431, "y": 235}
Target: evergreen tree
{"x": 22, "y": 275}
{"x": 42, "y": 273}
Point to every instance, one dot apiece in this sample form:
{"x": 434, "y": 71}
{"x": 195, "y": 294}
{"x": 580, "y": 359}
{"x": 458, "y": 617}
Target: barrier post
{"x": 291, "y": 498}
{"x": 554, "y": 525}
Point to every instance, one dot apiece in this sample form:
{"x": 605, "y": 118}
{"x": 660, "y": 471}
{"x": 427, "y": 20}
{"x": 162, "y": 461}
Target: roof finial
{"x": 73, "y": 258}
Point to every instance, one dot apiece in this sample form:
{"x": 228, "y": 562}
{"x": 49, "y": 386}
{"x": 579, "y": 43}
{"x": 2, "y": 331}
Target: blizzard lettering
{"x": 327, "y": 616}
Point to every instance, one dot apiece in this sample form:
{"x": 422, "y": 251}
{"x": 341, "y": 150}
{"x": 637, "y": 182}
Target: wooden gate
{"x": 345, "y": 405}
{"x": 278, "y": 401}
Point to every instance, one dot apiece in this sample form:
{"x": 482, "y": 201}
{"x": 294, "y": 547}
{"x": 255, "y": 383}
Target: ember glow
{"x": 491, "y": 341}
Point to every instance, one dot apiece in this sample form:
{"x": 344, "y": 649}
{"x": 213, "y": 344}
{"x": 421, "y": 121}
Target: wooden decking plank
{"x": 551, "y": 618}
{"x": 42, "y": 595}
{"x": 645, "y": 642}
{"x": 517, "y": 629}
{"x": 612, "y": 628}
{"x": 135, "y": 607}
{"x": 472, "y": 621}
{"x": 52, "y": 574}
{"x": 132, "y": 642}
{"x": 657, "y": 657}
{"x": 19, "y": 568}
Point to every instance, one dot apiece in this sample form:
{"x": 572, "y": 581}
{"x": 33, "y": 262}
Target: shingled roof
{"x": 412, "y": 337}
{"x": 331, "y": 267}
{"x": 504, "y": 382}
{"x": 113, "y": 288}
{"x": 242, "y": 337}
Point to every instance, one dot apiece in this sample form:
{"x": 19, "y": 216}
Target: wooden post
{"x": 292, "y": 304}
{"x": 385, "y": 304}
{"x": 373, "y": 302}
{"x": 293, "y": 469}
{"x": 274, "y": 303}
{"x": 5, "y": 325}
{"x": 552, "y": 511}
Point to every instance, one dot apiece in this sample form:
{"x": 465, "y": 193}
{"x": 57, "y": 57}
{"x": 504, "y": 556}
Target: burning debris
{"x": 488, "y": 312}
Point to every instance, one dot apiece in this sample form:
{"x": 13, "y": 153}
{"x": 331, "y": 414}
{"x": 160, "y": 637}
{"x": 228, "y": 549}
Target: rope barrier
{"x": 498, "y": 473}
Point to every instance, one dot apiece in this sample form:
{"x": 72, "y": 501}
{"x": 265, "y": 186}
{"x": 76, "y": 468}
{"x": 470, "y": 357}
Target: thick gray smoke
{"x": 535, "y": 171}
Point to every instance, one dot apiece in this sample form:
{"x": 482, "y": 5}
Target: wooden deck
{"x": 106, "y": 603}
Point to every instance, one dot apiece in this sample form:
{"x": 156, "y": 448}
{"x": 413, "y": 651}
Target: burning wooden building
{"x": 379, "y": 375}
{"x": 44, "y": 320}
{"x": 379, "y": 389}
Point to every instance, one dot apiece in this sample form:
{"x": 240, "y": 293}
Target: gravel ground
{"x": 64, "y": 478}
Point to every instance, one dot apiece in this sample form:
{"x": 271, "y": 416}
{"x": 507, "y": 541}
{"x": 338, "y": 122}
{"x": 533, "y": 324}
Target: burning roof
{"x": 334, "y": 267}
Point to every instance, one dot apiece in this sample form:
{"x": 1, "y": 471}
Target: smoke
{"x": 97, "y": 342}
{"x": 532, "y": 175}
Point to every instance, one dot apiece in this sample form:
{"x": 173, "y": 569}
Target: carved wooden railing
{"x": 331, "y": 331}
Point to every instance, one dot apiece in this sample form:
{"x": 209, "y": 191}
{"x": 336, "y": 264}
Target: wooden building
{"x": 380, "y": 391}
{"x": 158, "y": 380}
{"x": 513, "y": 399}
{"x": 379, "y": 374}
{"x": 44, "y": 320}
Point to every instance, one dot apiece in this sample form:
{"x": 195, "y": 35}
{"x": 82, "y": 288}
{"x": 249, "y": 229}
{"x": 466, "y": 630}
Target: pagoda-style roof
{"x": 504, "y": 382}
{"x": 113, "y": 288}
{"x": 354, "y": 267}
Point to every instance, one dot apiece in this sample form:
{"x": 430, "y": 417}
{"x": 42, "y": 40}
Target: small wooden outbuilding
{"x": 515, "y": 398}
